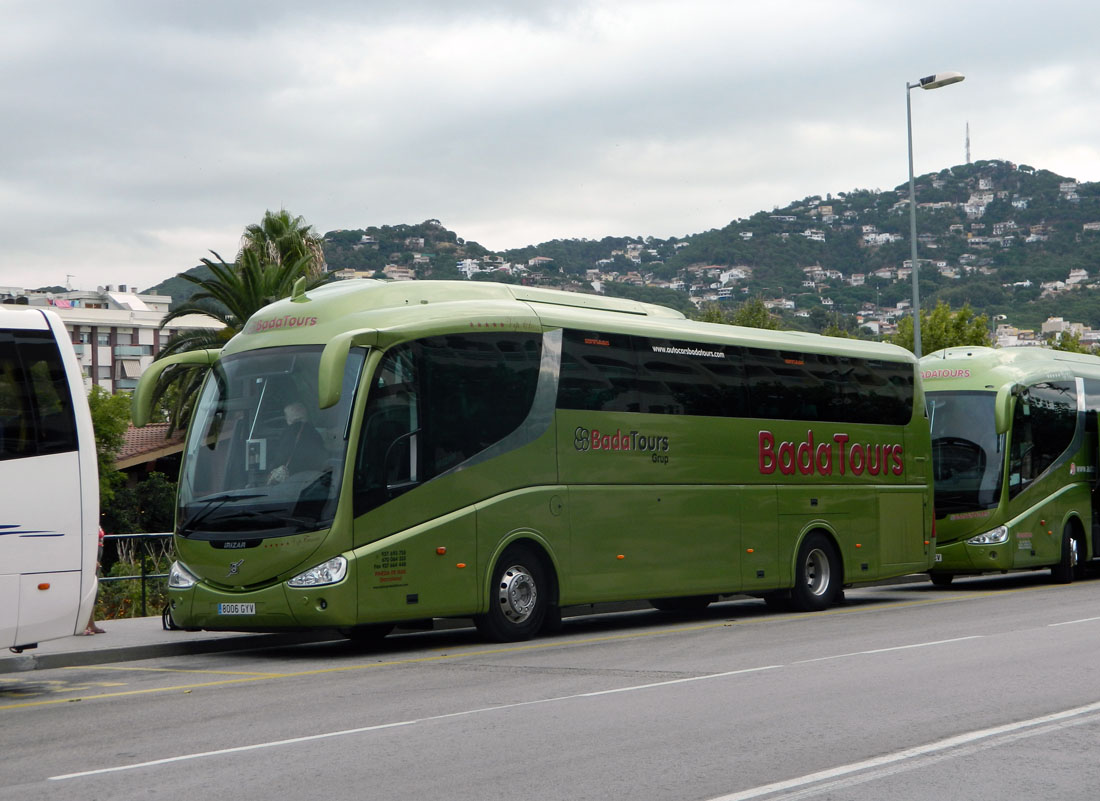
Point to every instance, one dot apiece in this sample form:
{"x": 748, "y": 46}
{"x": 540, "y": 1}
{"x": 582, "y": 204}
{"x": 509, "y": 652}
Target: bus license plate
{"x": 236, "y": 609}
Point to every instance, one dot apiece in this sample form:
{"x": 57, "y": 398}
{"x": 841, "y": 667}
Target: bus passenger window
{"x": 1043, "y": 426}
{"x": 36, "y": 414}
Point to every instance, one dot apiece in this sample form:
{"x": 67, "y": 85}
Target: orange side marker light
{"x": 45, "y": 585}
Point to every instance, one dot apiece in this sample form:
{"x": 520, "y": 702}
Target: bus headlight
{"x": 993, "y": 537}
{"x": 329, "y": 572}
{"x": 180, "y": 578}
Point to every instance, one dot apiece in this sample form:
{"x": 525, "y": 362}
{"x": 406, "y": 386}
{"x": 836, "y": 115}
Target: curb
{"x": 18, "y": 663}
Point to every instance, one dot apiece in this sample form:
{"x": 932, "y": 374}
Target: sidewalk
{"x": 143, "y": 638}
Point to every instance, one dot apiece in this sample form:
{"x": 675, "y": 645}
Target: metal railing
{"x": 144, "y": 577}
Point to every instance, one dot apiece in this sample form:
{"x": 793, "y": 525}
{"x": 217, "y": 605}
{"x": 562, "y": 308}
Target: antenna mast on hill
{"x": 968, "y": 141}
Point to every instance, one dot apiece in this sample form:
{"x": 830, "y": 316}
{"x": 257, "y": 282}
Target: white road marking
{"x": 886, "y": 650}
{"x": 745, "y": 794}
{"x": 938, "y": 747}
{"x": 1071, "y": 622}
{"x": 380, "y": 726}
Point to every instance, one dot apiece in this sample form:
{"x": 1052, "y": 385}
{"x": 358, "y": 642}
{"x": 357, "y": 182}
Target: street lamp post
{"x": 930, "y": 82}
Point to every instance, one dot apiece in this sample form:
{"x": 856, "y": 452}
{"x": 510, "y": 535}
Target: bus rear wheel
{"x": 1069, "y": 566}
{"x": 519, "y": 596}
{"x": 817, "y": 575}
{"x": 941, "y": 579}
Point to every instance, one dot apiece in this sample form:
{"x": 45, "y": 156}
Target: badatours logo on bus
{"x": 838, "y": 456}
{"x": 259, "y": 325}
{"x": 620, "y": 441}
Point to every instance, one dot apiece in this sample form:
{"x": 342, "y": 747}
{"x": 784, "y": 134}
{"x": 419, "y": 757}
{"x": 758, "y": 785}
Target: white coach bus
{"x": 49, "y": 483}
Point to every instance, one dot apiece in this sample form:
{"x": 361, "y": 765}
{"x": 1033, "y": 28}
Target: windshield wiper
{"x": 248, "y": 521}
{"x": 210, "y": 504}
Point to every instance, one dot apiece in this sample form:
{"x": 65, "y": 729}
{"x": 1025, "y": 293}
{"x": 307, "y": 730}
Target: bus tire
{"x": 941, "y": 579}
{"x": 1069, "y": 565}
{"x": 367, "y": 633}
{"x": 519, "y": 596}
{"x": 683, "y": 605}
{"x": 817, "y": 575}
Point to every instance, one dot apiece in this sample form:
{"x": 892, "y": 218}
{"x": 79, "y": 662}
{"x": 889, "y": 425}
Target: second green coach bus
{"x": 1014, "y": 449}
{"x": 369, "y": 453}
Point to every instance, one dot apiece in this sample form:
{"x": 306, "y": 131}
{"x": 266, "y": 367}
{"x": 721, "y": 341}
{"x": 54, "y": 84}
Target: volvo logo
{"x": 234, "y": 568}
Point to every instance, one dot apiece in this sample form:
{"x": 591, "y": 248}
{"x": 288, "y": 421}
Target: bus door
{"x": 902, "y": 513}
{"x": 760, "y": 563}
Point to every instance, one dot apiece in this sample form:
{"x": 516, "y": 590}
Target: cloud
{"x": 139, "y": 136}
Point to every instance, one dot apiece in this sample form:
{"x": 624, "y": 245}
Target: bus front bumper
{"x": 274, "y": 608}
{"x": 961, "y": 557}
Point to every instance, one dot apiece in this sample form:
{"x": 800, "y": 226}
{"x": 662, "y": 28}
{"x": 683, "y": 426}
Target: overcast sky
{"x": 137, "y": 136}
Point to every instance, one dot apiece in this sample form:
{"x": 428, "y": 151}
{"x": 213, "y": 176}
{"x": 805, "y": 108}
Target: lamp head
{"x": 940, "y": 79}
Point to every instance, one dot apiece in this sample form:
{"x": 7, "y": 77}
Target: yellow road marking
{"x": 176, "y": 670}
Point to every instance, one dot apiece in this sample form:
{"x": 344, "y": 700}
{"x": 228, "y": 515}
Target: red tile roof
{"x": 146, "y": 444}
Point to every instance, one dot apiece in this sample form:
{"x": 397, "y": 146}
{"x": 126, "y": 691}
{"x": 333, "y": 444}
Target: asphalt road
{"x": 988, "y": 689}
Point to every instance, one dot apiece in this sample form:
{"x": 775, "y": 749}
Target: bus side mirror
{"x": 1002, "y": 408}
{"x": 141, "y": 404}
{"x": 330, "y": 372}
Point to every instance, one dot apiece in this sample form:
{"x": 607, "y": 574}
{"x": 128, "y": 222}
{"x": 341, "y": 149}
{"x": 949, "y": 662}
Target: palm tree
{"x": 280, "y": 238}
{"x": 231, "y": 295}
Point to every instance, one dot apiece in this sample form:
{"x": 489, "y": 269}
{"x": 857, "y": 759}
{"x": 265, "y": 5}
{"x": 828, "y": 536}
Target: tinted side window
{"x": 839, "y": 389}
{"x": 599, "y": 373}
{"x": 36, "y": 413}
{"x": 781, "y": 387}
{"x": 691, "y": 378}
{"x": 1043, "y": 426}
{"x": 437, "y": 402}
{"x": 608, "y": 372}
{"x": 385, "y": 462}
{"x": 475, "y": 389}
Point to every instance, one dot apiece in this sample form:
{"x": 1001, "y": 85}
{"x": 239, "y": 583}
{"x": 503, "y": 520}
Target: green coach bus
{"x": 1014, "y": 453}
{"x": 369, "y": 453}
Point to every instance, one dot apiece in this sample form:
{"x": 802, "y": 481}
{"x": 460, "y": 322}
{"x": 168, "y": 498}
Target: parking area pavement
{"x": 143, "y": 638}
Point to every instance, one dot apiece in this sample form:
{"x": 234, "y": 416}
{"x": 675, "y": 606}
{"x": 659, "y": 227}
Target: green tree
{"x": 754, "y": 314}
{"x": 110, "y": 419}
{"x": 712, "y": 313}
{"x": 1070, "y": 342}
{"x": 943, "y": 328}
{"x": 281, "y": 238}
{"x": 266, "y": 270}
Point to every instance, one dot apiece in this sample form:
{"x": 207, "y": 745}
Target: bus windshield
{"x": 262, "y": 460}
{"x": 967, "y": 453}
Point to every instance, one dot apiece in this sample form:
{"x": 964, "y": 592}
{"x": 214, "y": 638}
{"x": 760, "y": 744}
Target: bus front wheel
{"x": 817, "y": 579}
{"x": 519, "y": 596}
{"x": 1069, "y": 566}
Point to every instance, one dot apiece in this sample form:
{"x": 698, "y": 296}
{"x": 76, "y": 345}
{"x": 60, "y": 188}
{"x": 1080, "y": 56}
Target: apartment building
{"x": 116, "y": 332}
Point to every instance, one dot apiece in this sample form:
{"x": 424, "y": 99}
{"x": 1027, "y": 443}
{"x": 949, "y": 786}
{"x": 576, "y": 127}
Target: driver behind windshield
{"x": 299, "y": 447}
